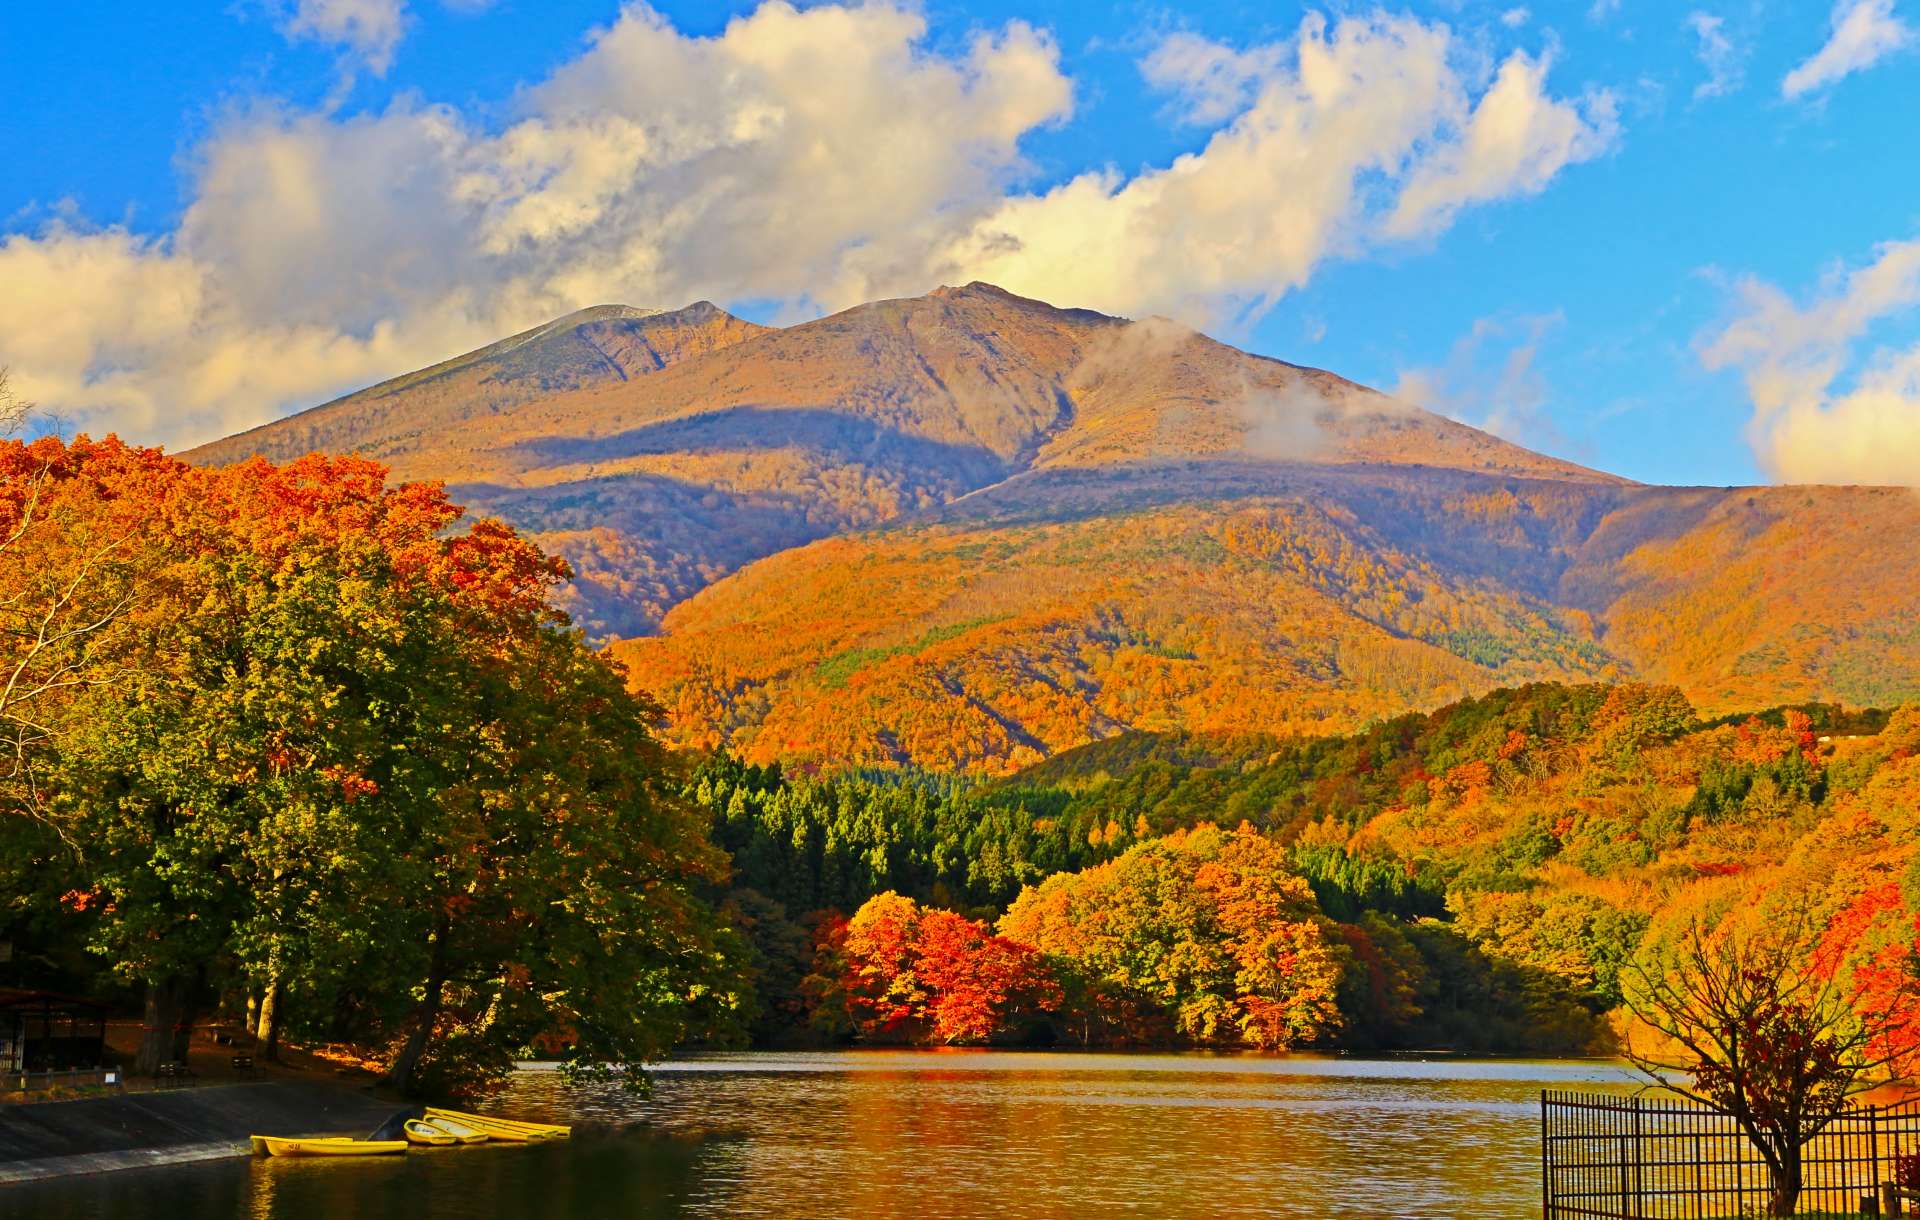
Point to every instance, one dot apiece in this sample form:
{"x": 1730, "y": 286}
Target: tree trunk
{"x": 267, "y": 1032}
{"x": 400, "y": 1076}
{"x": 168, "y": 1033}
{"x": 1785, "y": 1195}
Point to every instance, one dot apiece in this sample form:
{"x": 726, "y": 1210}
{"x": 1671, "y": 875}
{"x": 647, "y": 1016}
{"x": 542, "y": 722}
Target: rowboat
{"x": 458, "y": 1131}
{"x": 274, "y": 1145}
{"x": 502, "y": 1128}
{"x": 499, "y": 1135}
{"x": 419, "y": 1131}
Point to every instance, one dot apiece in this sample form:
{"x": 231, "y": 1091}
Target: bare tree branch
{"x": 1764, "y": 1037}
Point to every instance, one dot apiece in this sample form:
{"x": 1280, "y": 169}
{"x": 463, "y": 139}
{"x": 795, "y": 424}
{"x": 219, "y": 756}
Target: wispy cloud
{"x": 1491, "y": 381}
{"x": 1723, "y": 61}
{"x": 1277, "y": 190}
{"x": 370, "y": 29}
{"x": 1790, "y": 356}
{"x": 1517, "y": 138}
{"x": 1864, "y": 33}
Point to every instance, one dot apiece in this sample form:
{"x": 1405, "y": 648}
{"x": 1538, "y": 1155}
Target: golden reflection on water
{"x": 1043, "y": 1135}
{"x": 929, "y": 1134}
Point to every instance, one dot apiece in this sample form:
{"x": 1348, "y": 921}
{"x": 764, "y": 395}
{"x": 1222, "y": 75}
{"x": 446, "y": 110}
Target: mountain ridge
{"x": 984, "y": 529}
{"x": 731, "y": 441}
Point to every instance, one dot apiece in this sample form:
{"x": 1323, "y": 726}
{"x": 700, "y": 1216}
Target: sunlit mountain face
{"x": 990, "y": 529}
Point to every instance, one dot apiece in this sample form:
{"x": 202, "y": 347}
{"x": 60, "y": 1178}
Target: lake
{"x": 934, "y": 1134}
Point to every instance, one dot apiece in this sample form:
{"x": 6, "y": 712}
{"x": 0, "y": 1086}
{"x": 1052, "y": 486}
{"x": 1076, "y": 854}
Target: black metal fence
{"x": 1667, "y": 1158}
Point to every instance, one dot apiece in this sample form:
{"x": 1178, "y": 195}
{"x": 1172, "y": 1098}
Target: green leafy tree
{"x": 1210, "y": 927}
{"x": 362, "y": 764}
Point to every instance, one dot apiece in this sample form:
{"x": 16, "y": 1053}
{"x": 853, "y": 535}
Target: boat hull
{"x": 427, "y": 1135}
{"x": 274, "y": 1145}
{"x": 458, "y": 1131}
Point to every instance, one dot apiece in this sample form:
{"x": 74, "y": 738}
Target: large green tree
{"x": 1209, "y": 927}
{"x": 363, "y": 768}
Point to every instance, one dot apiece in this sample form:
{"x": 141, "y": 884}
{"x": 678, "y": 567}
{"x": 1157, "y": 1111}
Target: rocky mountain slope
{"x": 970, "y": 530}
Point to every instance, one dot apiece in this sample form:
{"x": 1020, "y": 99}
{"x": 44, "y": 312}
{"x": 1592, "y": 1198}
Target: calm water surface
{"x": 934, "y": 1134}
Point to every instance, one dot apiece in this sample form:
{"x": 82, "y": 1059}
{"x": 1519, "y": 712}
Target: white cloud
{"x": 1790, "y": 356}
{"x": 1514, "y": 18}
{"x": 1864, "y": 32}
{"x": 1515, "y": 141}
{"x": 1214, "y": 81}
{"x": 1338, "y": 117}
{"x": 321, "y": 253}
{"x": 370, "y": 28}
{"x": 814, "y": 157}
{"x": 1717, "y": 54}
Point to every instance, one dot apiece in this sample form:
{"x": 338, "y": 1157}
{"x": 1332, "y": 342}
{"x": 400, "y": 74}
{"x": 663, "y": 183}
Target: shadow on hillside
{"x": 1528, "y": 534}
{"x": 640, "y": 544}
{"x": 842, "y": 438}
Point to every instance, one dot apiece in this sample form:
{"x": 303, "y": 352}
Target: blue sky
{"x": 1698, "y": 263}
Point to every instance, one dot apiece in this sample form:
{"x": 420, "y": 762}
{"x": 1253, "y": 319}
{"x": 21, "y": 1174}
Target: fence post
{"x": 1639, "y": 1157}
{"x": 1625, "y": 1141}
{"x": 1546, "y": 1163}
{"x": 1873, "y": 1145}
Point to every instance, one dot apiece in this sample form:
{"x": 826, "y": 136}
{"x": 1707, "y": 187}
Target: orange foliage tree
{"x": 909, "y": 973}
{"x": 1768, "y": 1039}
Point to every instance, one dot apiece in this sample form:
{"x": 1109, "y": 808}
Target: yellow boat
{"x": 326, "y": 1145}
{"x": 499, "y": 1129}
{"x": 459, "y": 1132}
{"x": 504, "y": 1135}
{"x": 419, "y": 1131}
{"x": 503, "y": 1128}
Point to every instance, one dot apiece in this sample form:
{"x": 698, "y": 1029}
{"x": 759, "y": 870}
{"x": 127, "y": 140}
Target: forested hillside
{"x": 1476, "y": 877}
{"x": 1064, "y": 607}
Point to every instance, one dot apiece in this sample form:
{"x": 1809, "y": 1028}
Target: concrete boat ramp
{"x": 134, "y": 1130}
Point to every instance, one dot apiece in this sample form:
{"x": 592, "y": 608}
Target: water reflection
{"x": 914, "y": 1134}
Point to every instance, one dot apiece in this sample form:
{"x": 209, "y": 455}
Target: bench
{"x": 243, "y": 1066}
{"x": 174, "y": 1072}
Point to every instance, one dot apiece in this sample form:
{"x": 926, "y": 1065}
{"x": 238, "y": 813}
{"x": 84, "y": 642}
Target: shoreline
{"x": 51, "y": 1139}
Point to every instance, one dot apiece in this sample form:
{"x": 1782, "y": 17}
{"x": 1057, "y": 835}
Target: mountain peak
{"x": 981, "y": 291}
{"x": 607, "y": 312}
{"x": 978, "y": 288}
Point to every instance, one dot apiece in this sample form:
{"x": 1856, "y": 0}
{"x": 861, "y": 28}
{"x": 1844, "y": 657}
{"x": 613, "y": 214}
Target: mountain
{"x": 971, "y": 530}
{"x": 658, "y": 451}
{"x": 469, "y": 422}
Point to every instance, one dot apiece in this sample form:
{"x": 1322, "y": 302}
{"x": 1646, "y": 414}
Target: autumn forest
{"x": 306, "y": 743}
